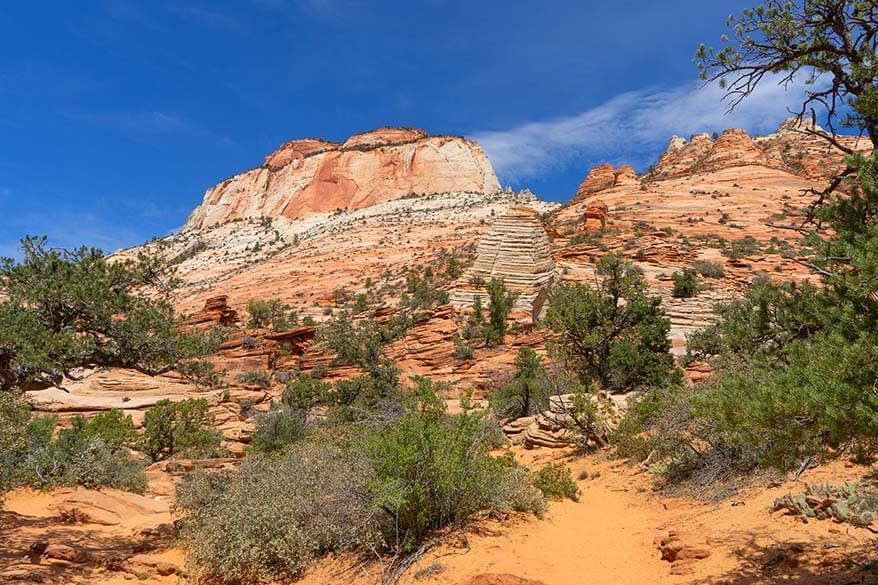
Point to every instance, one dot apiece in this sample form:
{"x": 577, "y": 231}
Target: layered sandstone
{"x": 517, "y": 251}
{"x": 310, "y": 176}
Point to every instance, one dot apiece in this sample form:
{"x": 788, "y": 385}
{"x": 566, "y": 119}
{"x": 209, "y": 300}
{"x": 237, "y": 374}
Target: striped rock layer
{"x": 517, "y": 251}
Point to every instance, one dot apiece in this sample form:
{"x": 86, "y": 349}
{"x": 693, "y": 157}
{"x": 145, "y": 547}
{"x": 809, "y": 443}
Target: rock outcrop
{"x": 556, "y": 426}
{"x": 310, "y": 176}
{"x": 516, "y": 250}
{"x": 794, "y": 148}
{"x": 603, "y": 177}
{"x": 216, "y": 311}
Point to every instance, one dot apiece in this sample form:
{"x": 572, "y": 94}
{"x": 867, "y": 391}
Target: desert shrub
{"x": 431, "y": 469}
{"x": 304, "y": 392}
{"x": 361, "y": 303}
{"x": 383, "y": 486}
{"x": 526, "y": 394}
{"x": 453, "y": 268}
{"x": 376, "y": 393}
{"x": 746, "y": 246}
{"x": 14, "y": 416}
{"x": 259, "y": 378}
{"x": 179, "y": 428}
{"x": 421, "y": 292}
{"x": 268, "y": 520}
{"x": 501, "y": 301}
{"x": 615, "y": 334}
{"x": 685, "y": 283}
{"x": 271, "y": 314}
{"x": 91, "y": 454}
{"x": 708, "y": 269}
{"x": 114, "y": 428}
{"x": 462, "y": 349}
{"x": 278, "y": 428}
{"x": 556, "y": 483}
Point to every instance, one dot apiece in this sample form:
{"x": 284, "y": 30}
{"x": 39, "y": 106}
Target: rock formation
{"x": 793, "y": 148}
{"x": 517, "y": 250}
{"x": 312, "y": 176}
{"x": 556, "y": 426}
{"x": 216, "y": 311}
{"x": 603, "y": 177}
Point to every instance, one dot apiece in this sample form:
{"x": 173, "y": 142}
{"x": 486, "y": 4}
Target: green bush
{"x": 259, "y": 378}
{"x": 431, "y": 470}
{"x": 278, "y": 428}
{"x": 92, "y": 453}
{"x": 304, "y": 392}
{"x": 708, "y": 269}
{"x": 527, "y": 393}
{"x": 556, "y": 482}
{"x": 615, "y": 334}
{"x": 685, "y": 283}
{"x": 383, "y": 486}
{"x": 462, "y": 349}
{"x": 179, "y": 428}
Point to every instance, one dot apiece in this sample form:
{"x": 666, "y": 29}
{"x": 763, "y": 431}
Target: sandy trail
{"x": 607, "y": 537}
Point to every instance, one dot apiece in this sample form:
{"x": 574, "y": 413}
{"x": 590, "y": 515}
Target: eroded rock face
{"x": 603, "y": 177}
{"x": 310, "y": 176}
{"x": 516, "y": 250}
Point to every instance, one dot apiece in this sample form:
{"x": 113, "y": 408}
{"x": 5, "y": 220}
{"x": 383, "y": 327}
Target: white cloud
{"x": 632, "y": 127}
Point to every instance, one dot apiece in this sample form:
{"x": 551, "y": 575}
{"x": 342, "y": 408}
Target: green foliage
{"x": 304, "y": 392}
{"x": 431, "y": 469}
{"x": 361, "y": 303}
{"x": 271, "y": 314}
{"x": 360, "y": 343}
{"x": 462, "y": 349}
{"x": 453, "y": 268}
{"x": 501, "y": 301}
{"x": 278, "y": 428}
{"x": 614, "y": 334}
{"x": 421, "y": 291}
{"x": 556, "y": 483}
{"x": 92, "y": 453}
{"x": 179, "y": 428}
{"x": 14, "y": 416}
{"x": 527, "y": 393}
{"x": 685, "y": 283}
{"x": 259, "y": 378}
{"x": 796, "y": 363}
{"x": 708, "y": 269}
{"x": 378, "y": 487}
{"x": 62, "y": 310}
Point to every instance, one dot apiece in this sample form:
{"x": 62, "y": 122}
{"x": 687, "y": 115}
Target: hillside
{"x": 358, "y": 228}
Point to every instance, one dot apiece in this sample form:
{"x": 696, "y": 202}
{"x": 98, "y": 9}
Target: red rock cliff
{"x": 312, "y": 176}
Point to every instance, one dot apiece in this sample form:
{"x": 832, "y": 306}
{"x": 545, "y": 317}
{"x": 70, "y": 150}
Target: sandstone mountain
{"x": 310, "y": 176}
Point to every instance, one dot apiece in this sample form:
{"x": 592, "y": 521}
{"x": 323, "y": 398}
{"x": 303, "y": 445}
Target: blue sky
{"x": 116, "y": 115}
